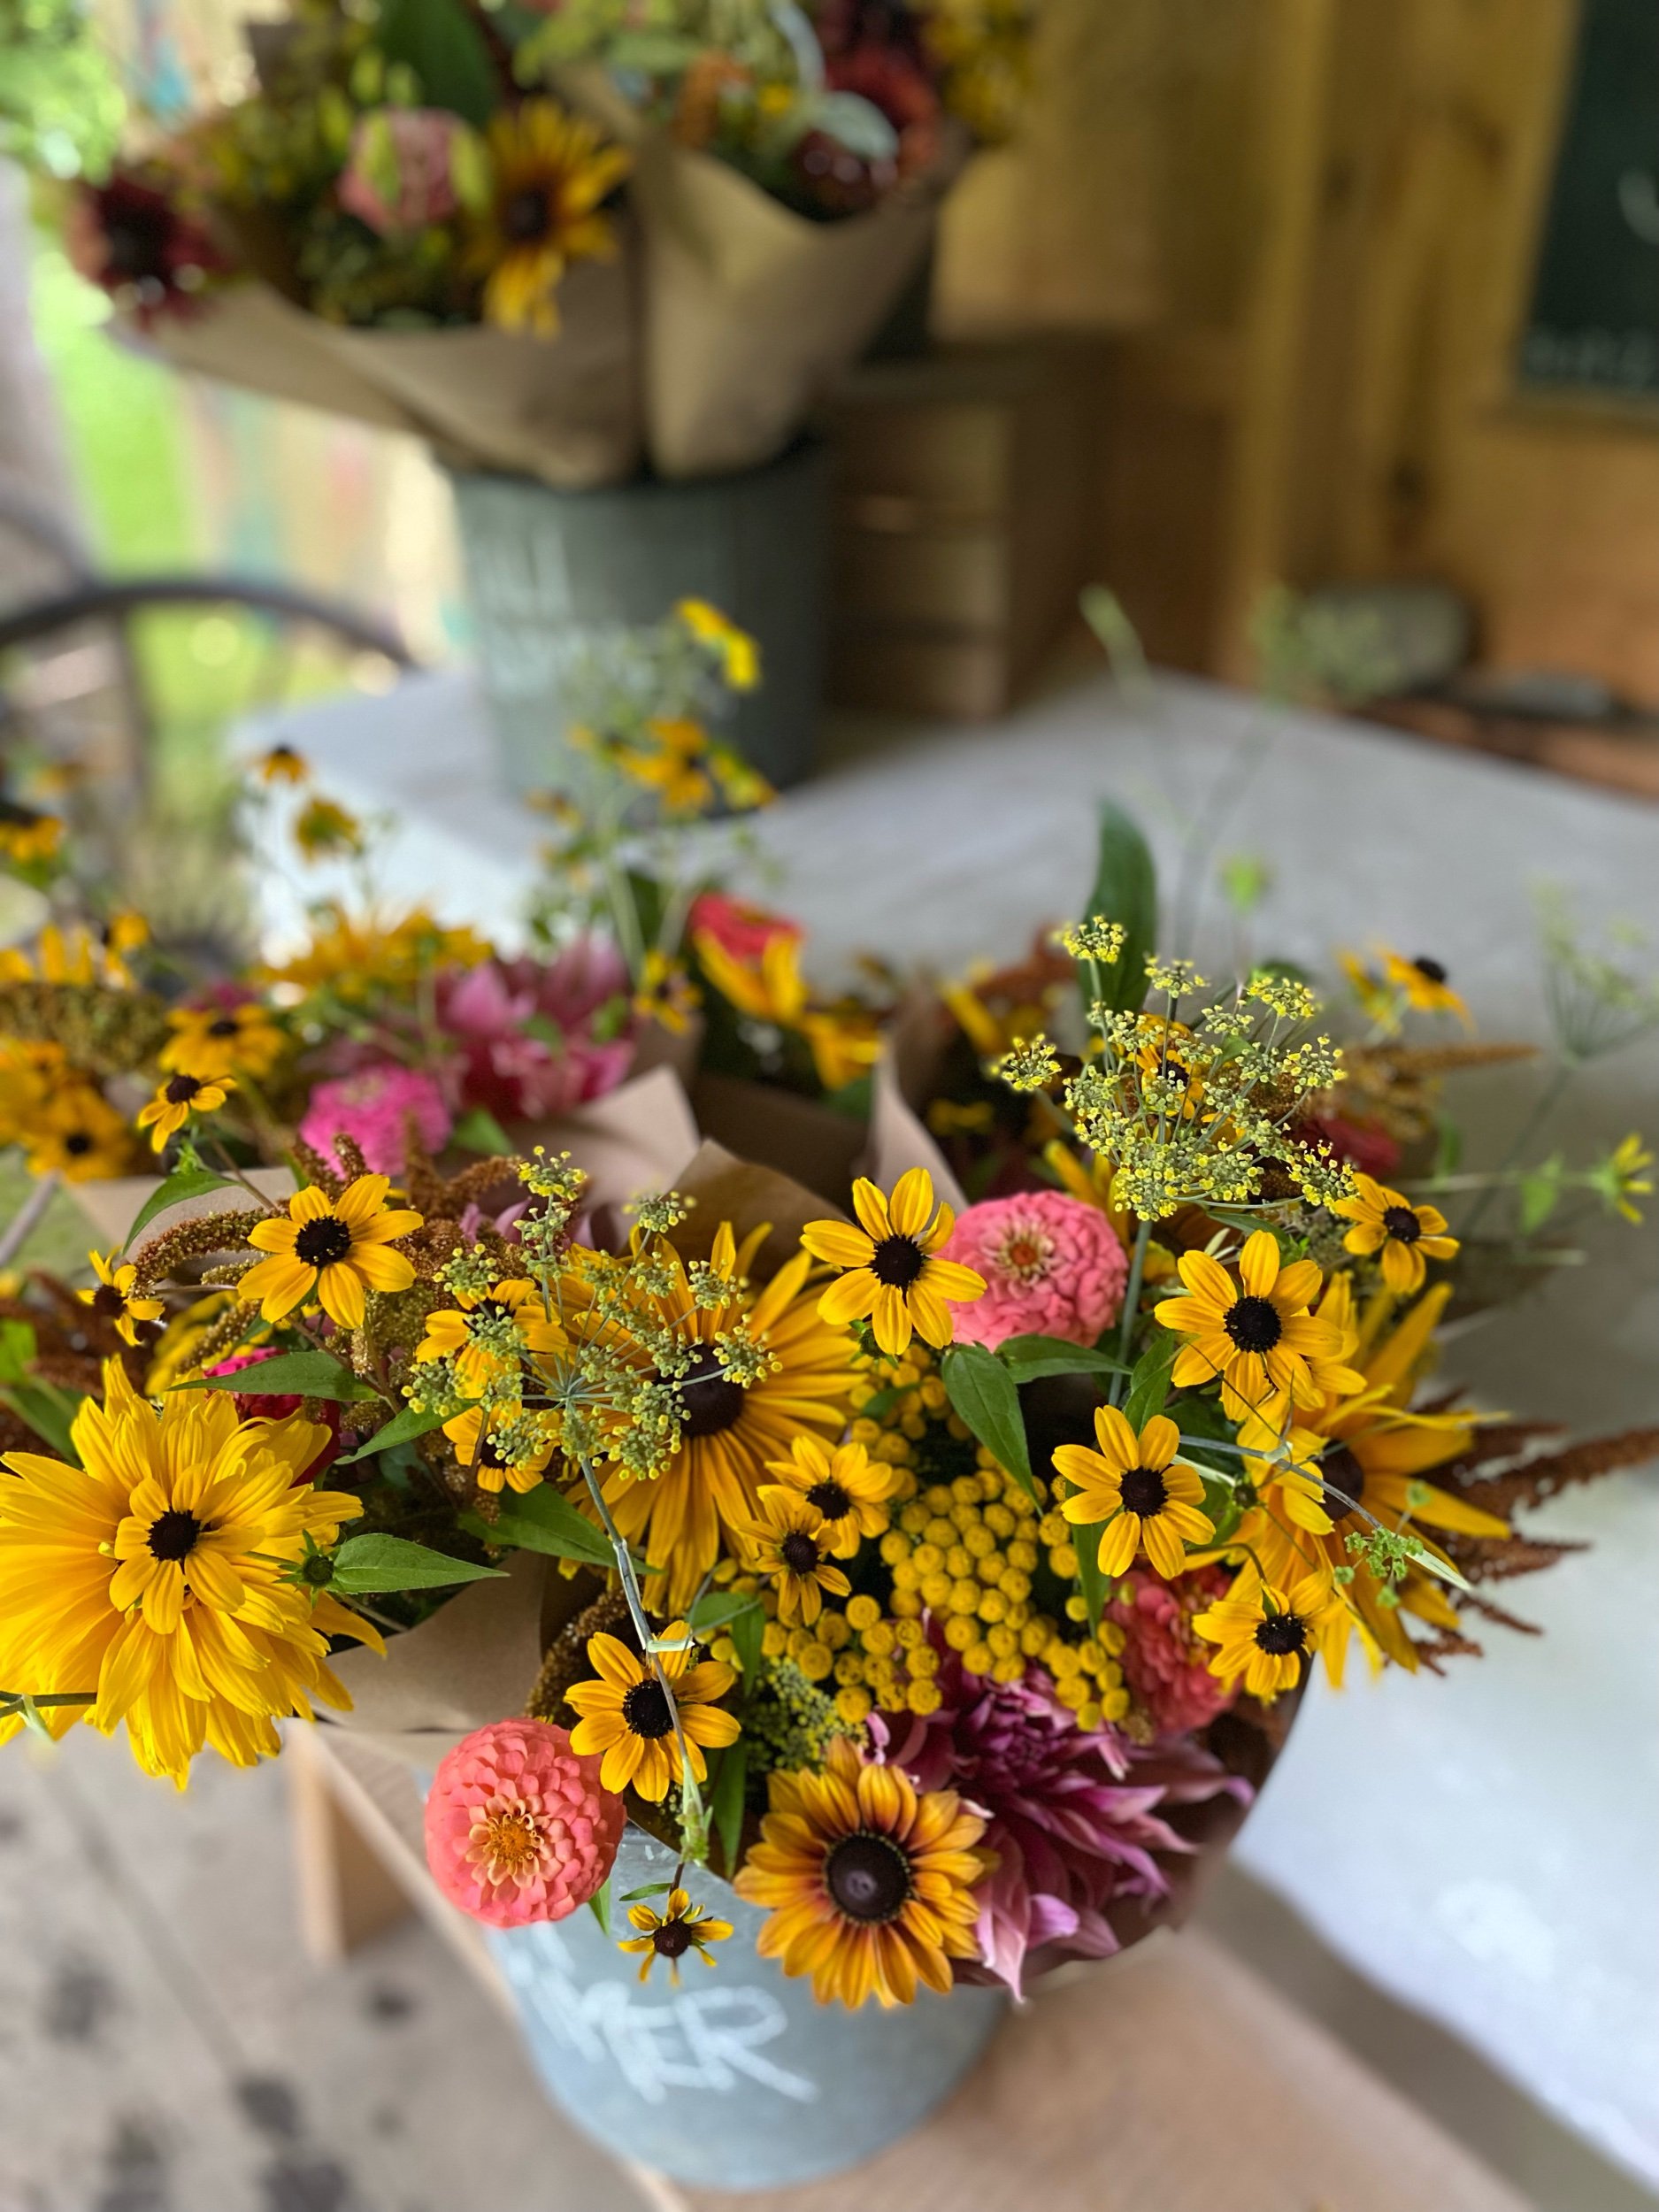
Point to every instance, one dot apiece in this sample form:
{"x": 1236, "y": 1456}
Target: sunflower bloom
{"x": 890, "y": 1275}
{"x": 1264, "y": 1635}
{"x": 792, "y": 1547}
{"x": 626, "y": 1716}
{"x": 331, "y": 1249}
{"x": 869, "y": 1883}
{"x": 180, "y": 1099}
{"x": 1147, "y": 1500}
{"x": 845, "y": 1488}
{"x": 218, "y": 1040}
{"x": 153, "y": 1577}
{"x": 552, "y": 171}
{"x": 113, "y": 1300}
{"x": 680, "y": 1930}
{"x": 1254, "y": 1335}
{"x": 1403, "y": 1235}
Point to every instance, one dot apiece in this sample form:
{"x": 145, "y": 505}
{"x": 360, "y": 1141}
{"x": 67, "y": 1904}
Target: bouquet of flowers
{"x": 545, "y": 237}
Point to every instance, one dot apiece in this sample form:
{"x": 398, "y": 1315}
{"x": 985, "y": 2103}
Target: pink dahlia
{"x": 536, "y": 1038}
{"x": 1053, "y": 1267}
{"x": 737, "y": 925}
{"x": 276, "y": 1405}
{"x": 377, "y": 1106}
{"x": 400, "y": 173}
{"x": 518, "y": 1826}
{"x": 1074, "y": 1814}
{"x": 1166, "y": 1667}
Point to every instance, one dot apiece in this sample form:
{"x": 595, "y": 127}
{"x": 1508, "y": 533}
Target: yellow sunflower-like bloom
{"x": 869, "y": 1883}
{"x": 846, "y": 1487}
{"x": 682, "y": 1928}
{"x": 1254, "y": 1335}
{"x": 79, "y": 1136}
{"x": 180, "y": 1099}
{"x": 1424, "y": 985}
{"x": 1264, "y": 1634}
{"x": 510, "y": 1452}
{"x": 626, "y": 1716}
{"x": 332, "y": 1249}
{"x": 791, "y": 1545}
{"x": 26, "y": 842}
{"x": 218, "y": 1041}
{"x": 1405, "y": 1236}
{"x": 113, "y": 1300}
{"x": 152, "y": 1577}
{"x": 843, "y": 1041}
{"x": 487, "y": 1333}
{"x": 890, "y": 1273}
{"x": 282, "y": 764}
{"x": 740, "y": 655}
{"x": 666, "y": 993}
{"x": 1147, "y": 1500}
{"x": 551, "y": 172}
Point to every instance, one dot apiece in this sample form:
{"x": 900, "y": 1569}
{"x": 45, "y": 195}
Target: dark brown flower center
{"x": 710, "y": 1400}
{"x": 1145, "y": 1492}
{"x": 77, "y": 1144}
{"x": 829, "y": 1499}
{"x": 1431, "y": 971}
{"x": 107, "y": 1303}
{"x": 490, "y": 1454}
{"x": 323, "y": 1243}
{"x": 897, "y": 1262}
{"x": 645, "y": 1709}
{"x": 1340, "y": 1470}
{"x": 1280, "y": 1634}
{"x": 1402, "y": 1225}
{"x": 227, "y": 1025}
{"x": 867, "y": 1876}
{"x": 1254, "y": 1324}
{"x": 799, "y": 1553}
{"x": 182, "y": 1089}
{"x": 173, "y": 1534}
{"x": 137, "y": 241}
{"x": 525, "y": 214}
{"x": 671, "y": 1941}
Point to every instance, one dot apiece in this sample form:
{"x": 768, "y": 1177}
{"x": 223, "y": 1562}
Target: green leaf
{"x": 1150, "y": 1382}
{"x": 364, "y": 1564}
{"x": 1125, "y": 890}
{"x": 403, "y": 1428}
{"x": 292, "y": 1375}
{"x": 439, "y": 41}
{"x": 184, "y": 1182}
{"x": 719, "y": 1608}
{"x": 1448, "y": 1150}
{"x": 726, "y": 1808}
{"x": 18, "y": 1348}
{"x": 1029, "y": 1358}
{"x": 478, "y": 1131}
{"x": 1540, "y": 1194}
{"x": 542, "y": 1520}
{"x": 599, "y": 1905}
{"x": 983, "y": 1393}
{"x": 1093, "y": 1584}
{"x": 42, "y": 1409}
{"x": 645, "y": 1889}
{"x": 747, "y": 1628}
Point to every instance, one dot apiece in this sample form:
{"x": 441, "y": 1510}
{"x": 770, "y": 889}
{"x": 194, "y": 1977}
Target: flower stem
{"x": 1543, "y": 1106}
{"x": 1132, "y": 1299}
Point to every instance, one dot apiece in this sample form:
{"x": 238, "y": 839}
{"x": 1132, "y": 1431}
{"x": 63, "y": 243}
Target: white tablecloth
{"x": 1483, "y": 1846}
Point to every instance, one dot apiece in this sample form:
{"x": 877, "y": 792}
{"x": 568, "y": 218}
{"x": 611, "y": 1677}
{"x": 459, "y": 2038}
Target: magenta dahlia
{"x": 519, "y": 1827}
{"x": 535, "y": 1037}
{"x": 1052, "y": 1266}
{"x": 378, "y": 1106}
{"x": 1166, "y": 1667}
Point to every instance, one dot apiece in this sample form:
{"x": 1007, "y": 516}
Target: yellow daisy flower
{"x": 682, "y": 1928}
{"x": 1405, "y": 1236}
{"x": 1254, "y": 1335}
{"x": 80, "y": 1136}
{"x": 666, "y": 993}
{"x": 216, "y": 1041}
{"x": 331, "y": 1249}
{"x": 31, "y": 839}
{"x": 626, "y": 1716}
{"x": 1424, "y": 984}
{"x": 739, "y": 654}
{"x": 500, "y": 1460}
{"x": 282, "y": 764}
{"x": 551, "y": 170}
{"x": 791, "y": 1545}
{"x": 487, "y": 1333}
{"x": 1264, "y": 1634}
{"x": 113, "y": 1300}
{"x": 891, "y": 1275}
{"x": 844, "y": 1487}
{"x": 1147, "y": 1500}
{"x": 180, "y": 1099}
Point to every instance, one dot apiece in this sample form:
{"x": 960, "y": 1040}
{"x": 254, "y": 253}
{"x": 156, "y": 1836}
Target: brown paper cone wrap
{"x": 904, "y": 1081}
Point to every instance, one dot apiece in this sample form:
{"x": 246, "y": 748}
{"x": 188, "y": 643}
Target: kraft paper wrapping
{"x": 565, "y": 409}
{"x": 899, "y": 1139}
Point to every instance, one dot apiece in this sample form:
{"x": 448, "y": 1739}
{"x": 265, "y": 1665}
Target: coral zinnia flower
{"x": 794, "y": 1546}
{"x": 870, "y": 1885}
{"x": 890, "y": 1275}
{"x": 684, "y": 1927}
{"x": 1264, "y": 1634}
{"x": 216, "y": 1041}
{"x": 1054, "y": 1267}
{"x": 626, "y": 1716}
{"x": 1254, "y": 1336}
{"x": 153, "y": 1577}
{"x": 180, "y": 1098}
{"x": 113, "y": 1300}
{"x": 519, "y": 1827}
{"x": 1147, "y": 1500}
{"x": 845, "y": 1488}
{"x": 330, "y": 1248}
{"x": 552, "y": 170}
{"x": 1406, "y": 1235}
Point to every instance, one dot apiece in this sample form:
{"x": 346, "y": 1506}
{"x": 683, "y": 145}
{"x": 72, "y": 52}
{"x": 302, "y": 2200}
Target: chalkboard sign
{"x": 1595, "y": 319}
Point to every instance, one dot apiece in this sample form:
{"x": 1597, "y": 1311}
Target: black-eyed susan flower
{"x": 331, "y": 1249}
{"x": 282, "y": 764}
{"x": 217, "y": 1040}
{"x": 626, "y": 1716}
{"x": 487, "y": 1333}
{"x": 891, "y": 1273}
{"x": 1266, "y": 1634}
{"x": 1424, "y": 984}
{"x": 1402, "y": 1235}
{"x": 666, "y": 993}
{"x": 845, "y": 1487}
{"x": 1253, "y": 1335}
{"x": 551, "y": 172}
{"x": 791, "y": 1545}
{"x": 508, "y": 1449}
{"x": 1149, "y": 1500}
{"x": 679, "y": 1930}
{"x": 30, "y": 840}
{"x": 323, "y": 830}
{"x": 112, "y": 1301}
{"x": 740, "y": 655}
{"x": 868, "y": 1884}
{"x": 180, "y": 1099}
{"x": 79, "y": 1136}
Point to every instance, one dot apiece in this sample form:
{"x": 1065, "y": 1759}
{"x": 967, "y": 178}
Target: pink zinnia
{"x": 1166, "y": 1667}
{"x": 1052, "y": 1266}
{"x": 527, "y": 1030}
{"x": 518, "y": 1826}
{"x": 400, "y": 173}
{"x": 376, "y": 1106}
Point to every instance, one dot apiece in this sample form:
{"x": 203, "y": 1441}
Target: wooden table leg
{"x": 347, "y": 1894}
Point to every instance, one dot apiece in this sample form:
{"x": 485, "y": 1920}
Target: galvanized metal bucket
{"x": 739, "y": 2079}
{"x": 547, "y": 571}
